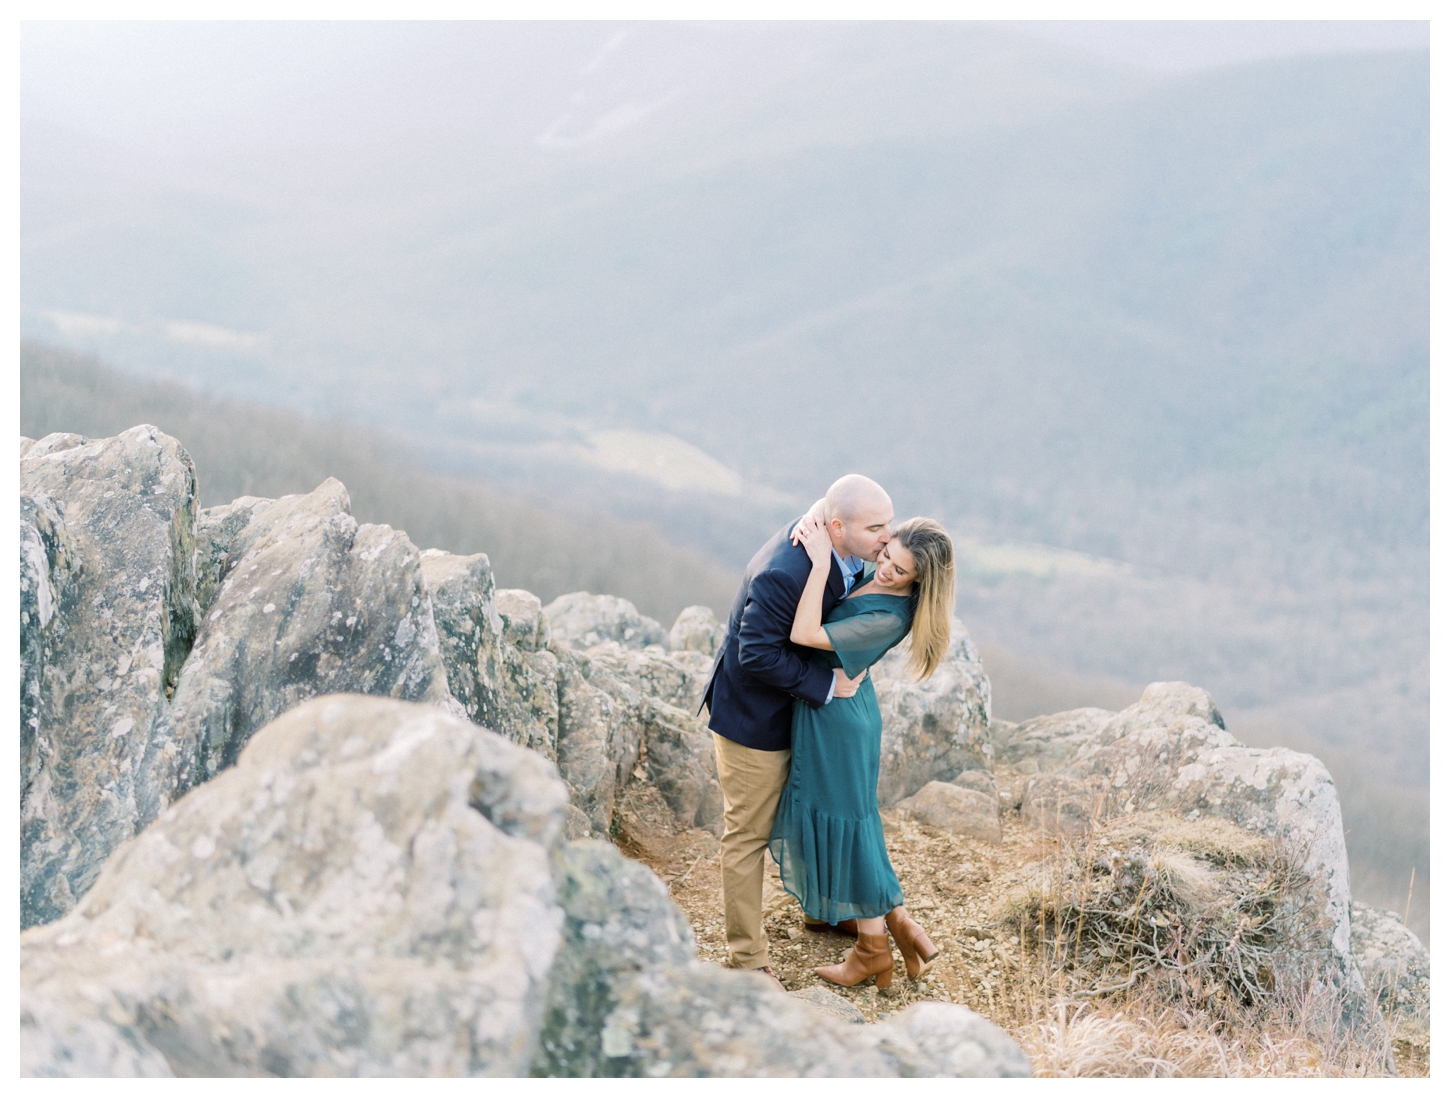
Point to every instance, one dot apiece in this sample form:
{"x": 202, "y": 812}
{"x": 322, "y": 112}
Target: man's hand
{"x": 846, "y": 688}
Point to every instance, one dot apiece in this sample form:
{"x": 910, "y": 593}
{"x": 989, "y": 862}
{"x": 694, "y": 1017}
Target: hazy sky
{"x": 1180, "y": 45}
{"x": 130, "y": 79}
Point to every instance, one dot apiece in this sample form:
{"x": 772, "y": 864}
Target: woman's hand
{"x": 811, "y": 533}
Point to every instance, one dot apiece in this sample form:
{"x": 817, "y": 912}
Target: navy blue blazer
{"x": 758, "y": 670}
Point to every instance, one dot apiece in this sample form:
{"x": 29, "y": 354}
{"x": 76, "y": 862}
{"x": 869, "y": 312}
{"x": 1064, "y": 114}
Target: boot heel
{"x": 883, "y": 981}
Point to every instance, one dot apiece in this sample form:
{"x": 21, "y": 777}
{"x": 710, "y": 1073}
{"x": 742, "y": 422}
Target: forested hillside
{"x": 250, "y": 450}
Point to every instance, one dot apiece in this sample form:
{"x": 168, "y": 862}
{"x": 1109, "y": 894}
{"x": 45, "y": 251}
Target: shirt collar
{"x": 849, "y": 565}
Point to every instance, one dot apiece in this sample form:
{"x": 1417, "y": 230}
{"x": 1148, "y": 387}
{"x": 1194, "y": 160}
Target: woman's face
{"x": 895, "y": 568}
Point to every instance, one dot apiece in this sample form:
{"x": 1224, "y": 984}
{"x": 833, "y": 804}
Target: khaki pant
{"x": 751, "y": 781}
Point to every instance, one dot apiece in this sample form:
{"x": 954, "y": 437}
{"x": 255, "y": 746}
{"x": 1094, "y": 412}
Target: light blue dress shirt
{"x": 850, "y": 568}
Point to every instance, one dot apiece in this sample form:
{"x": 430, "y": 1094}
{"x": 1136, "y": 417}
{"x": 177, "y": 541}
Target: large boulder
{"x": 366, "y": 892}
{"x": 1170, "y": 751}
{"x": 108, "y": 604}
{"x": 582, "y": 620}
{"x": 380, "y": 888}
{"x": 309, "y": 603}
{"x": 932, "y": 730}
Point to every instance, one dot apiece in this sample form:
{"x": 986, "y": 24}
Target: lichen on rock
{"x": 108, "y": 588}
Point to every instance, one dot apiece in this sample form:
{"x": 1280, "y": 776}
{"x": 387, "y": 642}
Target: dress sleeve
{"x": 862, "y": 639}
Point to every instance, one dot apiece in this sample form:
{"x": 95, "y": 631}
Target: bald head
{"x": 854, "y": 494}
{"x": 858, "y": 516}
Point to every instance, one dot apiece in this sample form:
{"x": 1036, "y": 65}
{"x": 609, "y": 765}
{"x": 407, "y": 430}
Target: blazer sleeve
{"x": 764, "y": 640}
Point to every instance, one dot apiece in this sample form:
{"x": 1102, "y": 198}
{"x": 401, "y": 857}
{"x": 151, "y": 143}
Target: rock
{"x": 525, "y": 694}
{"x": 1045, "y": 743}
{"x": 111, "y": 613}
{"x": 837, "y": 1006}
{"x": 524, "y": 623}
{"x": 582, "y": 620}
{"x": 697, "y": 630}
{"x": 679, "y": 760}
{"x": 310, "y": 603}
{"x": 381, "y": 888}
{"x": 628, "y": 999}
{"x": 215, "y": 529}
{"x": 943, "y": 1040}
{"x": 980, "y": 780}
{"x": 366, "y": 892}
{"x": 47, "y": 557}
{"x": 1395, "y": 967}
{"x": 953, "y": 808}
{"x": 1059, "y": 803}
{"x": 932, "y": 730}
{"x": 506, "y": 688}
{"x": 676, "y": 678}
{"x": 1170, "y": 751}
{"x": 587, "y": 738}
{"x": 576, "y": 824}
{"x": 470, "y": 632}
{"x": 657, "y": 721}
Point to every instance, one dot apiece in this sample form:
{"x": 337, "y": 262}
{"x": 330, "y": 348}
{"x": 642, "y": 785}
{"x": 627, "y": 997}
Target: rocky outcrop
{"x": 346, "y": 890}
{"x": 1170, "y": 751}
{"x": 367, "y": 891}
{"x": 932, "y": 730}
{"x": 310, "y": 602}
{"x": 379, "y": 888}
{"x": 581, "y": 620}
{"x": 1396, "y": 969}
{"x": 108, "y": 604}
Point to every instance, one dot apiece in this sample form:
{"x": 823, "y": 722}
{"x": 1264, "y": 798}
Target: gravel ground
{"x": 952, "y": 885}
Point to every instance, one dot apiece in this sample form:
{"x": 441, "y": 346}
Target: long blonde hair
{"x": 930, "y": 547}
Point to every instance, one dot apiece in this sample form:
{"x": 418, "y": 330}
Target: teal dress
{"x": 827, "y": 837}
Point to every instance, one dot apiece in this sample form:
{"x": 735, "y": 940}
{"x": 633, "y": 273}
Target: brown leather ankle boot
{"x": 917, "y": 950}
{"x": 871, "y": 956}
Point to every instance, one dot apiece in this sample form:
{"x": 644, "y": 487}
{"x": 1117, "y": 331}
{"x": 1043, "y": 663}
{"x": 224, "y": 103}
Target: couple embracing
{"x": 797, "y": 728}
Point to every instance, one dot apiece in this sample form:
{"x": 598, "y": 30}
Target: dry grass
{"x": 967, "y": 894}
{"x": 1151, "y": 947}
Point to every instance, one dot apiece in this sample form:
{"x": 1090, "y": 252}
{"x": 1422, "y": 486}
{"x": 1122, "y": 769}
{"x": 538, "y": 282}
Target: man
{"x": 757, "y": 675}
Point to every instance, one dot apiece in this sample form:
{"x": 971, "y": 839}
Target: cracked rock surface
{"x": 108, "y": 613}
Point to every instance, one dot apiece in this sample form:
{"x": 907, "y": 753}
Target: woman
{"x": 827, "y": 837}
